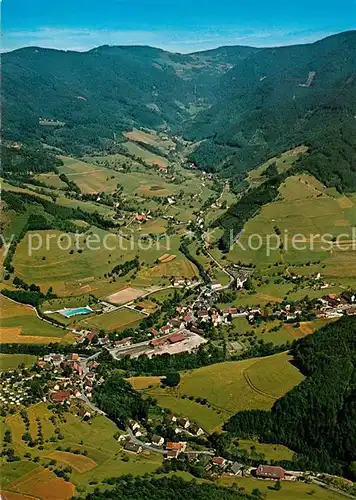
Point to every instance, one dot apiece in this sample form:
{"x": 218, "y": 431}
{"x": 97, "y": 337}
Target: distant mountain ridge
{"x": 246, "y": 104}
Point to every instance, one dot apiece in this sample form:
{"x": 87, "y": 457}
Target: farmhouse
{"x": 270, "y": 472}
{"x": 157, "y": 440}
{"x": 179, "y": 282}
{"x": 166, "y": 328}
{"x": 183, "y": 422}
{"x": 215, "y": 285}
{"x": 181, "y": 446}
{"x": 236, "y": 468}
{"x": 132, "y": 447}
{"x": 220, "y": 461}
{"x": 60, "y": 396}
{"x": 140, "y": 218}
{"x": 177, "y": 323}
{"x": 195, "y": 429}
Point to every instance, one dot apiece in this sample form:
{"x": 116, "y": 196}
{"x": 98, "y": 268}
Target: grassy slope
{"x": 95, "y": 436}
{"x": 305, "y": 206}
{"x": 229, "y": 387}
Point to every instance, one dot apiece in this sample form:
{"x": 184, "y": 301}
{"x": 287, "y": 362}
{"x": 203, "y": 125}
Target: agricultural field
{"x": 13, "y": 361}
{"x": 112, "y": 161}
{"x": 274, "y": 331}
{"x": 90, "y": 178}
{"x": 283, "y": 163}
{"x": 291, "y": 490}
{"x": 75, "y": 270}
{"x": 104, "y": 454}
{"x": 305, "y": 207}
{"x": 228, "y": 388}
{"x": 20, "y": 324}
{"x": 276, "y": 452}
{"x": 151, "y": 138}
{"x": 145, "y": 155}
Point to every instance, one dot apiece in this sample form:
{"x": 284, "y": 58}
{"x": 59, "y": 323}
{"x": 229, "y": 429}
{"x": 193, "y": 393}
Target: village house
{"x": 204, "y": 315}
{"x": 219, "y": 461}
{"x": 141, "y": 432}
{"x": 84, "y": 414}
{"x": 177, "y": 323}
{"x": 183, "y": 422}
{"x": 188, "y": 318}
{"x": 171, "y": 418}
{"x": 236, "y": 469}
{"x": 179, "y": 282}
{"x": 140, "y": 218}
{"x": 166, "y": 329}
{"x": 134, "y": 425}
{"x": 60, "y": 396}
{"x": 57, "y": 359}
{"x": 215, "y": 285}
{"x": 195, "y": 429}
{"x": 270, "y": 472}
{"x": 77, "y": 393}
{"x": 157, "y": 440}
{"x": 132, "y": 447}
{"x": 172, "y": 454}
{"x": 180, "y": 447}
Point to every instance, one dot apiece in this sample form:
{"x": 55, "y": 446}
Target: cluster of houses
{"x": 79, "y": 382}
{"x": 170, "y": 449}
{"x": 180, "y": 282}
{"x": 202, "y": 312}
{"x": 183, "y": 424}
{"x": 335, "y": 306}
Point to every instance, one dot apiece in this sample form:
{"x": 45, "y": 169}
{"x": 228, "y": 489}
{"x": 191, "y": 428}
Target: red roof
{"x": 154, "y": 331}
{"x": 173, "y": 446}
{"x": 158, "y": 342}
{"x": 60, "y": 396}
{"x": 218, "y": 460}
{"x": 270, "y": 471}
{"x": 176, "y": 337}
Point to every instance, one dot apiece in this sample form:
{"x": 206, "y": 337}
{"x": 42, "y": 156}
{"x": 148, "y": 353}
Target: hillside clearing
{"x": 228, "y": 387}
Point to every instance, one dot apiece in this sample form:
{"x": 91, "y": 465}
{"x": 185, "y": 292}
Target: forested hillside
{"x": 316, "y": 418}
{"x": 244, "y": 104}
{"x": 99, "y": 93}
{"x": 280, "y": 98}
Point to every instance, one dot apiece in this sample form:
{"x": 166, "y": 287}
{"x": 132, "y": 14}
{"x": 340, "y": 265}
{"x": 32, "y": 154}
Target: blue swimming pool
{"x": 68, "y": 313}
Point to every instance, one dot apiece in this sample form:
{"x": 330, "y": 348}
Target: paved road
{"x": 91, "y": 405}
{"x": 164, "y": 452}
{"x": 331, "y": 488}
{"x": 145, "y": 445}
